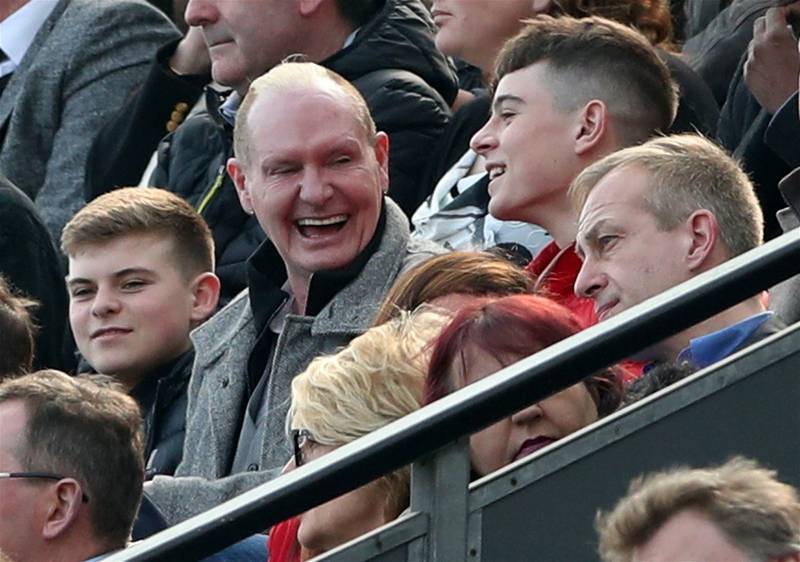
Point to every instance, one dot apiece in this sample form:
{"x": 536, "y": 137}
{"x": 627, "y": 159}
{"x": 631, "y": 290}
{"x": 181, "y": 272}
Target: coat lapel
{"x": 18, "y": 78}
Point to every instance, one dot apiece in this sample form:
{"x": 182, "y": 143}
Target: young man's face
{"x": 130, "y": 305}
{"x": 528, "y": 144}
{"x": 627, "y": 256}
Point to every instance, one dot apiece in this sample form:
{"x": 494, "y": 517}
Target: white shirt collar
{"x": 18, "y": 30}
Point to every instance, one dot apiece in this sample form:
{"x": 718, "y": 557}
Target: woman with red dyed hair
{"x": 485, "y": 337}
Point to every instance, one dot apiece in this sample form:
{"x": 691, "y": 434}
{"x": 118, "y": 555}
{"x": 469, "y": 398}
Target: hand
{"x": 191, "y": 56}
{"x": 773, "y": 63}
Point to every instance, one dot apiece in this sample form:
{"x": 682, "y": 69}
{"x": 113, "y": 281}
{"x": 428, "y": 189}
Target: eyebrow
{"x": 506, "y": 98}
{"x": 117, "y": 274}
{"x": 589, "y": 235}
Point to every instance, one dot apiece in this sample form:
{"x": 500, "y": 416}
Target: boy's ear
{"x": 592, "y": 127}
{"x": 205, "y": 296}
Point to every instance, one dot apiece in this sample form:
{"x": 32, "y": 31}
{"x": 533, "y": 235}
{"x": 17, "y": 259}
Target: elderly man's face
{"x": 314, "y": 178}
{"x": 20, "y": 498}
{"x": 627, "y": 257}
{"x": 245, "y": 37}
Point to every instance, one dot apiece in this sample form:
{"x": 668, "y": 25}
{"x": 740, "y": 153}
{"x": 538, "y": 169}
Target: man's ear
{"x": 382, "y": 156}
{"x": 703, "y": 229}
{"x": 66, "y": 502}
{"x": 205, "y": 295}
{"x": 592, "y": 127}
{"x": 308, "y": 7}
{"x": 236, "y": 172}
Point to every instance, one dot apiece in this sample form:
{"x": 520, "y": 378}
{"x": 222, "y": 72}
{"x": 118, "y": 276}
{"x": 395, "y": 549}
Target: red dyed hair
{"x": 509, "y": 328}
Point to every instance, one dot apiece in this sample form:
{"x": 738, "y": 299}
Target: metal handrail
{"x": 475, "y": 406}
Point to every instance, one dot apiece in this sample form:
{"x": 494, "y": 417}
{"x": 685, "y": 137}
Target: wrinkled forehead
{"x": 620, "y": 193}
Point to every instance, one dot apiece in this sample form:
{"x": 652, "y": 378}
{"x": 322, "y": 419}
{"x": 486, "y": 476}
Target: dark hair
{"x": 596, "y": 58}
{"x": 85, "y": 428}
{"x": 18, "y": 330}
{"x": 357, "y": 12}
{"x": 512, "y": 327}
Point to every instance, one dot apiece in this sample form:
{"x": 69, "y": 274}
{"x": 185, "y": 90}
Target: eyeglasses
{"x": 40, "y": 475}
{"x": 300, "y": 438}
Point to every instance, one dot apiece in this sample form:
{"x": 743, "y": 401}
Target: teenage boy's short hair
{"x": 596, "y": 58}
{"x": 18, "y": 330}
{"x": 148, "y": 210}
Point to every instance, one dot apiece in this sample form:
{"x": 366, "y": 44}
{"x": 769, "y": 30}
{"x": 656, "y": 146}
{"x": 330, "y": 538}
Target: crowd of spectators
{"x": 292, "y": 222}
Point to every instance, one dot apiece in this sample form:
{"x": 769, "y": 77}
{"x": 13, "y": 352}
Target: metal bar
{"x": 475, "y": 406}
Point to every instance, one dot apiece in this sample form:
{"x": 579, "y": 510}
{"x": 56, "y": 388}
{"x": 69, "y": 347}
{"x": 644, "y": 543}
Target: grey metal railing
{"x": 475, "y": 406}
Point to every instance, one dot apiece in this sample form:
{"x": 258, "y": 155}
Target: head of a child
{"x": 141, "y": 264}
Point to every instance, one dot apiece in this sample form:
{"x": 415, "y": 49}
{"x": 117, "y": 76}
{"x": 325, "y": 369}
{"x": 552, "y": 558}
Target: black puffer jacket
{"x": 408, "y": 86}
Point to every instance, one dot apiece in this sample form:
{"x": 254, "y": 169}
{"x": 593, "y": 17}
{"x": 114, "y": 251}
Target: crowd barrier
{"x": 507, "y": 516}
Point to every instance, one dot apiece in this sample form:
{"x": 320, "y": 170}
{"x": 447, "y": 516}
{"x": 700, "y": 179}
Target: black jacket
{"x": 765, "y": 144}
{"x": 162, "y": 400}
{"x": 31, "y": 264}
{"x": 407, "y": 83}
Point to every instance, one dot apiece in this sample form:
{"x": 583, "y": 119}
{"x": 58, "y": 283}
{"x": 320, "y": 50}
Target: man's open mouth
{"x": 323, "y": 226}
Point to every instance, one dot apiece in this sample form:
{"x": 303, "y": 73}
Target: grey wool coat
{"x": 81, "y": 67}
{"x": 218, "y": 387}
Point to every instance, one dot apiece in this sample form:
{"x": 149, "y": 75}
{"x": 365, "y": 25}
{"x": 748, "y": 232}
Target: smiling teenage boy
{"x": 140, "y": 279}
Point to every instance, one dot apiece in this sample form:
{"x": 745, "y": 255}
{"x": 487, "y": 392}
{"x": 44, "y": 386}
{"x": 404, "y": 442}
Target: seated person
{"x": 453, "y": 279}
{"x": 335, "y": 245}
{"x": 16, "y": 325}
{"x": 140, "y": 279}
{"x": 71, "y": 452}
{"x": 656, "y": 215}
{"x": 488, "y": 336}
{"x": 375, "y": 380}
{"x": 735, "y": 512}
{"x": 455, "y": 214}
{"x": 569, "y": 92}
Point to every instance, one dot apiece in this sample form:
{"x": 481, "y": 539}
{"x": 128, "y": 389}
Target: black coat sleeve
{"x": 123, "y": 146}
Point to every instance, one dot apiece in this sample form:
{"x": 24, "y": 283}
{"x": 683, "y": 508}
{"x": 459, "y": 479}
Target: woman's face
{"x": 346, "y": 517}
{"x": 474, "y": 30}
{"x": 528, "y": 430}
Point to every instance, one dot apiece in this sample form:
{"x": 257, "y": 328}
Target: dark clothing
{"x": 31, "y": 264}
{"x": 123, "y": 147}
{"x": 714, "y": 51}
{"x": 766, "y": 145}
{"x": 697, "y": 108}
{"x": 162, "y": 399}
{"x": 408, "y": 86}
{"x": 784, "y": 298}
{"x": 455, "y": 139}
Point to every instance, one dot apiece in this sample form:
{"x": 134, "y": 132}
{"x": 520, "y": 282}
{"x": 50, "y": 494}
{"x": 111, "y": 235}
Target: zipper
{"x": 204, "y": 202}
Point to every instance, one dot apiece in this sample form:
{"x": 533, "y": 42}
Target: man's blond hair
{"x": 294, "y": 78}
{"x": 377, "y": 379}
{"x": 143, "y": 210}
{"x": 687, "y": 172}
{"x": 746, "y": 502}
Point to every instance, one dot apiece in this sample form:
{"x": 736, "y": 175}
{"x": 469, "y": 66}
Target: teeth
{"x": 496, "y": 172}
{"x": 322, "y": 222}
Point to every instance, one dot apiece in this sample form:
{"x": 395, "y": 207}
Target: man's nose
{"x": 589, "y": 281}
{"x": 485, "y": 139}
{"x": 315, "y": 188}
{"x": 201, "y": 12}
